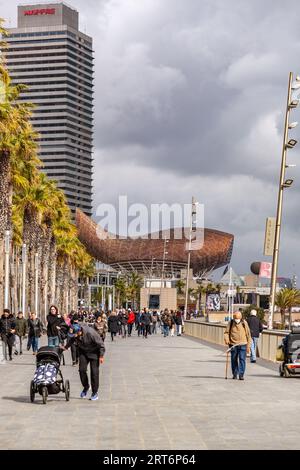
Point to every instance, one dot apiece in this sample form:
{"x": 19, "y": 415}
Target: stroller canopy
{"x": 49, "y": 354}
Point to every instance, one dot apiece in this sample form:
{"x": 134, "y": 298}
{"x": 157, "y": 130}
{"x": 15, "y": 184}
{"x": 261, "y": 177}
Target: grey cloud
{"x": 189, "y": 99}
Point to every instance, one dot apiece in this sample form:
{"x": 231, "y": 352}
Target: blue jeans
{"x": 238, "y": 360}
{"x": 53, "y": 341}
{"x": 34, "y": 342}
{"x": 253, "y": 349}
{"x": 166, "y": 330}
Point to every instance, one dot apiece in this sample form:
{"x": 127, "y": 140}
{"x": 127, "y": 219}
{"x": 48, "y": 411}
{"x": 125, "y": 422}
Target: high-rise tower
{"x": 48, "y": 53}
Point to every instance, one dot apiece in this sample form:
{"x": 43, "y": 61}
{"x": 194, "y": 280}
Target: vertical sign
{"x": 265, "y": 270}
{"x": 269, "y": 236}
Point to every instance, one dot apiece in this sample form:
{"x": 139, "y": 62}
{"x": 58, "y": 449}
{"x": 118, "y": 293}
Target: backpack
{"x": 231, "y": 325}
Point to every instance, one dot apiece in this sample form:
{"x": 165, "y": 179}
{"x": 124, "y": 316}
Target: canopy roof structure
{"x": 146, "y": 255}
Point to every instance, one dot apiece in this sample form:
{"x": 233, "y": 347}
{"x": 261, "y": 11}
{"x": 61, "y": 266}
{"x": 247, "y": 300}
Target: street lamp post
{"x": 193, "y": 213}
{"x": 24, "y": 279}
{"x": 163, "y": 270}
{"x": 6, "y": 275}
{"x": 287, "y": 144}
{"x": 150, "y": 282}
{"x": 36, "y": 290}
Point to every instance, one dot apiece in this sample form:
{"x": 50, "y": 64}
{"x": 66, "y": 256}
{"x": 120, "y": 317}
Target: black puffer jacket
{"x": 113, "y": 324}
{"x": 6, "y": 325}
{"x": 53, "y": 322}
{"x": 255, "y": 326}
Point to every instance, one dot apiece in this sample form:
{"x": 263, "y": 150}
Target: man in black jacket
{"x": 256, "y": 328}
{"x": 91, "y": 351}
{"x": 7, "y": 331}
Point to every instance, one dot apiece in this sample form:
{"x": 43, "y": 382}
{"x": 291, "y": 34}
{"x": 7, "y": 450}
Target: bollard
{"x": 2, "y": 352}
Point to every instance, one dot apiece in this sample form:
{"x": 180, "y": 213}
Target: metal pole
{"x": 6, "y": 275}
{"x": 279, "y": 206}
{"x": 24, "y": 279}
{"x": 36, "y": 292}
{"x": 162, "y": 272}
{"x": 150, "y": 282}
{"x": 230, "y": 297}
{"x": 189, "y": 259}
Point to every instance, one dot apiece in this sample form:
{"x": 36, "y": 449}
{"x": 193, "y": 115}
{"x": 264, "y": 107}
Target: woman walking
{"x": 113, "y": 324}
{"x": 53, "y": 326}
{"x": 35, "y": 331}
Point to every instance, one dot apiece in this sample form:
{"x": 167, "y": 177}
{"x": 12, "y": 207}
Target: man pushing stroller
{"x": 91, "y": 351}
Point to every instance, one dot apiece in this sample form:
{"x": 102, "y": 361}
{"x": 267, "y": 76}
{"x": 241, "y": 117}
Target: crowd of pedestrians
{"x": 84, "y": 333}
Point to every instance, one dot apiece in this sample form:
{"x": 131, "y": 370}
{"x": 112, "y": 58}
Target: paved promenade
{"x": 156, "y": 393}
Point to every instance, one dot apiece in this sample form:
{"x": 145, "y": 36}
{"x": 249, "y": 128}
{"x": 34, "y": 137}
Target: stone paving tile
{"x": 166, "y": 393}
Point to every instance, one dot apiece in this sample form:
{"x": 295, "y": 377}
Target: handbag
{"x": 280, "y": 354}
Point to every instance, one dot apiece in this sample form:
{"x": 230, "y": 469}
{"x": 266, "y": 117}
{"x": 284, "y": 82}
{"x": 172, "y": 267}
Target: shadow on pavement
{"x": 210, "y": 360}
{"x": 202, "y": 377}
{"x": 22, "y": 399}
{"x": 272, "y": 376}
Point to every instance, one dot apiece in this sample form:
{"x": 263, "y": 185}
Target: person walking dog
{"x": 238, "y": 337}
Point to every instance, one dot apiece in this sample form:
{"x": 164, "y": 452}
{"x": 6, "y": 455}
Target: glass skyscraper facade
{"x": 48, "y": 53}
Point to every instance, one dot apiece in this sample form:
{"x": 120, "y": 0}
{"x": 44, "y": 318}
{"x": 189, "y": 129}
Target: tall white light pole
{"x": 24, "y": 279}
{"x": 150, "y": 282}
{"x": 6, "y": 275}
{"x": 163, "y": 270}
{"x": 287, "y": 144}
{"x": 193, "y": 214}
{"x": 36, "y": 288}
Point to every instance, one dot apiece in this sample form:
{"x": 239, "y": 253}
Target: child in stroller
{"x": 48, "y": 379}
{"x": 291, "y": 349}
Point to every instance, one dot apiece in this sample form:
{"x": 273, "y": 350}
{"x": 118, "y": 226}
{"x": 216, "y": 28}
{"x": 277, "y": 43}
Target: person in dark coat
{"x": 7, "y": 331}
{"x": 35, "y": 331}
{"x": 113, "y": 324}
{"x": 256, "y": 328}
{"x": 178, "y": 321}
{"x": 74, "y": 348}
{"x": 145, "y": 321}
{"x": 91, "y": 351}
{"x": 21, "y": 331}
{"x": 122, "y": 318}
{"x": 53, "y": 326}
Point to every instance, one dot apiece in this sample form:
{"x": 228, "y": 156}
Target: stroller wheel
{"x": 44, "y": 395}
{"x": 67, "y": 390}
{"x": 32, "y": 391}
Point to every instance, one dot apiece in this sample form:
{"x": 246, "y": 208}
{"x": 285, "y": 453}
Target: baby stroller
{"x": 291, "y": 352}
{"x": 48, "y": 379}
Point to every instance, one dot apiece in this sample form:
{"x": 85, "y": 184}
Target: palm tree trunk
{"x": 13, "y": 281}
{"x": 1, "y": 274}
{"x": 282, "y": 311}
{"x": 59, "y": 286}
{"x": 52, "y": 272}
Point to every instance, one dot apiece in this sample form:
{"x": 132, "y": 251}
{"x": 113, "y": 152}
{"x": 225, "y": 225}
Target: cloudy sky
{"x": 189, "y": 100}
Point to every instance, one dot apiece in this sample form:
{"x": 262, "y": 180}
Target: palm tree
{"x": 180, "y": 285}
{"x": 286, "y": 299}
{"x": 120, "y": 287}
{"x": 199, "y": 291}
{"x": 134, "y": 284}
{"x": 32, "y": 206}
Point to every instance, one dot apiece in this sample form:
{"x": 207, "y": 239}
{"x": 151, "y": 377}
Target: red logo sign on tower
{"x": 42, "y": 11}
